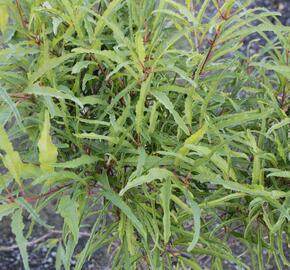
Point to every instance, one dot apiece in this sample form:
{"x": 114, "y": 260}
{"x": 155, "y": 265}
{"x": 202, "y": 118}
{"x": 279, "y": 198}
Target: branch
{"x": 23, "y": 21}
{"x": 40, "y": 196}
{"x": 283, "y": 98}
{"x": 208, "y": 55}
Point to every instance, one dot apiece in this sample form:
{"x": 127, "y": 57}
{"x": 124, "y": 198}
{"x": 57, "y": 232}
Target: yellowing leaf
{"x": 12, "y": 159}
{"x": 193, "y": 139}
{"x": 4, "y": 17}
{"x": 188, "y": 109}
{"x": 47, "y": 150}
{"x": 131, "y": 238}
{"x": 140, "y": 47}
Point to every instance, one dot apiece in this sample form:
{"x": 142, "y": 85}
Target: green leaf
{"x": 257, "y": 171}
{"x": 45, "y": 91}
{"x": 118, "y": 202}
{"x": 68, "y": 209}
{"x": 141, "y": 104}
{"x": 6, "y": 98}
{"x": 102, "y": 20}
{"x": 165, "y": 195}
{"x": 22, "y": 202}
{"x": 78, "y": 162}
{"x": 281, "y": 69}
{"x": 283, "y": 174}
{"x": 153, "y": 118}
{"x": 17, "y": 227}
{"x": 7, "y": 209}
{"x": 141, "y": 161}
{"x": 60, "y": 176}
{"x": 163, "y": 98}
{"x": 80, "y": 65}
{"x": 283, "y": 123}
{"x": 55, "y": 24}
{"x": 191, "y": 263}
{"x": 153, "y": 174}
{"x": 4, "y": 18}
{"x": 196, "y": 216}
{"x": 216, "y": 158}
{"x": 92, "y": 100}
{"x": 47, "y": 150}
{"x": 93, "y": 136}
{"x": 188, "y": 106}
{"x": 48, "y": 65}
{"x": 240, "y": 118}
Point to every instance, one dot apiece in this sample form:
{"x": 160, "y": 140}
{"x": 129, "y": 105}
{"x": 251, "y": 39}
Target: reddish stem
{"x": 35, "y": 198}
{"x": 212, "y": 46}
{"x": 23, "y": 21}
{"x": 283, "y": 99}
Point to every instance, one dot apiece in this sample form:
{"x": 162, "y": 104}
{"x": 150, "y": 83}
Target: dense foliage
{"x": 145, "y": 124}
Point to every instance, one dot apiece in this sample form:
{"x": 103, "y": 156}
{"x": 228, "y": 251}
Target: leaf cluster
{"x": 145, "y": 125}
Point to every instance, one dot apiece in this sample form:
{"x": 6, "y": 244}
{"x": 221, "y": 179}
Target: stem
{"x": 23, "y": 21}
{"x": 212, "y": 46}
{"x": 40, "y": 196}
{"x": 283, "y": 99}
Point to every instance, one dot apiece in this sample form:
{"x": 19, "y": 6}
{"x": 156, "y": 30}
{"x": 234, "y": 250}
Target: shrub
{"x": 147, "y": 128}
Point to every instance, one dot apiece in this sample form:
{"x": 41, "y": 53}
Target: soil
{"x": 40, "y": 258}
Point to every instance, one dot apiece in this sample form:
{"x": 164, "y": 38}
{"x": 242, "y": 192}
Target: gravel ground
{"x": 282, "y": 6}
{"x": 11, "y": 260}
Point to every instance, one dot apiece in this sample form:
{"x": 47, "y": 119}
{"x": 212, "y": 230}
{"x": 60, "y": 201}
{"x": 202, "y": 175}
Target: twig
{"x": 223, "y": 17}
{"x": 40, "y": 196}
{"x": 283, "y": 99}
{"x": 39, "y": 240}
{"x": 22, "y": 97}
{"x": 212, "y": 46}
{"x": 23, "y": 21}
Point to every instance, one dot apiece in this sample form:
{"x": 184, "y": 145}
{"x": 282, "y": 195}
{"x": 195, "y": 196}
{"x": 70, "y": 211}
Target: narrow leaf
{"x": 196, "y": 216}
{"x": 118, "y": 202}
{"x": 193, "y": 139}
{"x": 140, "y": 104}
{"x": 31, "y": 211}
{"x": 17, "y": 227}
{"x": 163, "y": 98}
{"x": 153, "y": 174}
{"x": 78, "y": 162}
{"x": 7, "y": 209}
{"x": 165, "y": 202}
{"x": 45, "y": 91}
{"x": 68, "y": 209}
